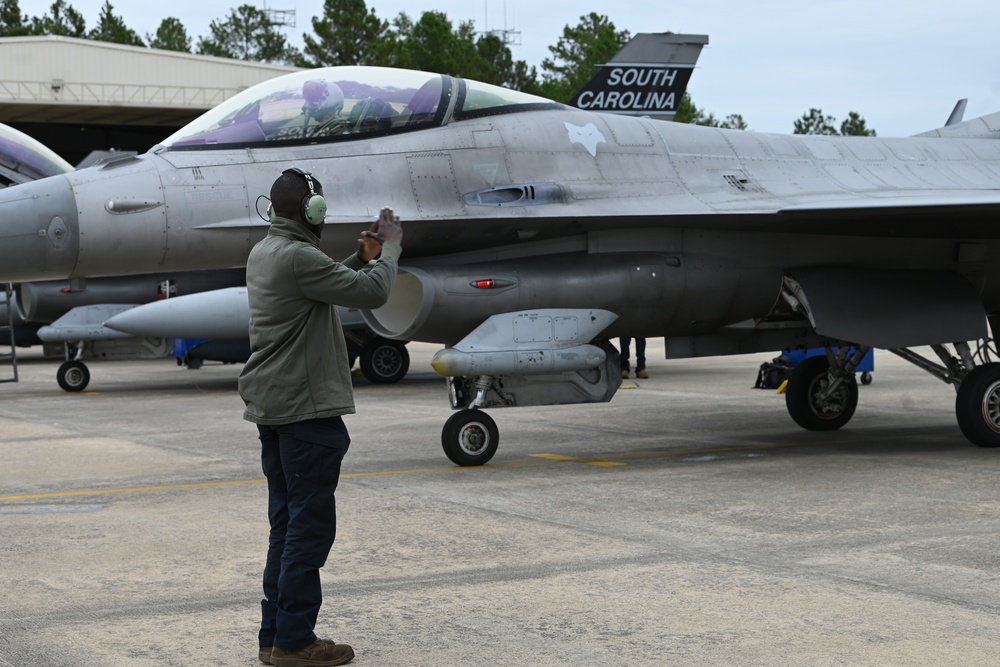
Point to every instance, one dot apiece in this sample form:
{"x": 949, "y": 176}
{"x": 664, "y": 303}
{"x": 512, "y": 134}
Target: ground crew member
{"x": 297, "y": 386}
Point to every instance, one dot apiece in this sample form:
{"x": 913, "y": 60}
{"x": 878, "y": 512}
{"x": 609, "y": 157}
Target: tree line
{"x": 349, "y": 33}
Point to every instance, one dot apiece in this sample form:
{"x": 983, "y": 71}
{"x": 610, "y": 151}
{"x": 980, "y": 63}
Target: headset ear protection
{"x": 313, "y": 208}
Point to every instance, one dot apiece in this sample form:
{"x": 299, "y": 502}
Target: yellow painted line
{"x": 130, "y": 489}
{"x": 576, "y": 459}
{"x": 196, "y": 485}
{"x": 545, "y": 459}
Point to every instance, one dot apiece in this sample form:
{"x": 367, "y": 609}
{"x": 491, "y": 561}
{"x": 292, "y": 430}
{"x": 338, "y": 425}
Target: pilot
{"x": 322, "y": 104}
{"x": 297, "y": 387}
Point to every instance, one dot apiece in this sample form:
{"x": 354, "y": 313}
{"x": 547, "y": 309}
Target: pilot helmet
{"x": 321, "y": 99}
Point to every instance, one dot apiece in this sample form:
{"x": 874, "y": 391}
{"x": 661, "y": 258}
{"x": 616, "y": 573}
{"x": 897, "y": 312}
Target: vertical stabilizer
{"x": 646, "y": 78}
{"x": 957, "y": 113}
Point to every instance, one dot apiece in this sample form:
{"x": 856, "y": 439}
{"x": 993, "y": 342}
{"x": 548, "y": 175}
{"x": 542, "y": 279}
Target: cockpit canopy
{"x": 337, "y": 103}
{"x": 24, "y": 159}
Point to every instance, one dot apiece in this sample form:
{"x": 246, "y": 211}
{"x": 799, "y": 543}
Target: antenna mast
{"x": 283, "y": 18}
{"x": 508, "y": 36}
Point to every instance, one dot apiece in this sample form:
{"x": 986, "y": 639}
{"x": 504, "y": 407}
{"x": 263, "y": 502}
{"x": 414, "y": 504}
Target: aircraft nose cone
{"x": 39, "y": 230}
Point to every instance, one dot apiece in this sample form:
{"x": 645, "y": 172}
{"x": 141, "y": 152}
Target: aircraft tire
{"x": 470, "y": 438}
{"x": 384, "y": 361}
{"x": 73, "y": 376}
{"x": 977, "y": 405}
{"x": 806, "y": 381}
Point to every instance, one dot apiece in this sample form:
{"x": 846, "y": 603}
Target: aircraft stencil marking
{"x": 587, "y": 135}
{"x": 488, "y": 172}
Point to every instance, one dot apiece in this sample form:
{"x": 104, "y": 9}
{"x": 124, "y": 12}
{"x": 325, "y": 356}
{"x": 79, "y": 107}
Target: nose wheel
{"x": 73, "y": 375}
{"x": 470, "y": 438}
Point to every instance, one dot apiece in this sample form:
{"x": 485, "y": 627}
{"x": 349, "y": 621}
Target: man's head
{"x": 321, "y": 101}
{"x": 297, "y": 195}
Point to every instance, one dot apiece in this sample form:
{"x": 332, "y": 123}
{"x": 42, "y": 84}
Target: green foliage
{"x": 855, "y": 126}
{"x": 111, "y": 28}
{"x": 433, "y": 46}
{"x": 170, "y": 36}
{"x": 814, "y": 122}
{"x": 12, "y": 23}
{"x": 248, "y": 34}
{"x": 494, "y": 62}
{"x": 348, "y": 34}
{"x": 687, "y": 112}
{"x": 734, "y": 121}
{"x": 578, "y": 55}
{"x": 525, "y": 79}
{"x": 62, "y": 19}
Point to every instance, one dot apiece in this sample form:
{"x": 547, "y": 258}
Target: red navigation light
{"x": 486, "y": 283}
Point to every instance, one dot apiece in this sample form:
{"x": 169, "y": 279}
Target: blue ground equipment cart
{"x": 866, "y": 366}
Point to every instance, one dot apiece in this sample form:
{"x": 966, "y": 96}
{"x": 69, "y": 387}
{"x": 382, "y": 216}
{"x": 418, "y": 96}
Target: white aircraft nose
{"x": 39, "y": 230}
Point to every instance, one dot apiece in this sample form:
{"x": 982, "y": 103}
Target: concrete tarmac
{"x": 686, "y": 522}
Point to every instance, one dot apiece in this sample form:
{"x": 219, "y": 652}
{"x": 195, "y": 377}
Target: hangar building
{"x": 79, "y": 95}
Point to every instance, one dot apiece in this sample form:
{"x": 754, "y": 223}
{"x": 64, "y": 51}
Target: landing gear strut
{"x": 822, "y": 392}
{"x": 976, "y": 378}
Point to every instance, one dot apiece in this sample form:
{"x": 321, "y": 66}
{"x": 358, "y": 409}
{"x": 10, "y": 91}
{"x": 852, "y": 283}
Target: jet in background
{"x": 536, "y": 233}
{"x": 59, "y": 314}
{"x": 22, "y": 159}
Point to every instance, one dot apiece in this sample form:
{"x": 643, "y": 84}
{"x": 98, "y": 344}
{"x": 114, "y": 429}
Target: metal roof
{"x": 53, "y": 79}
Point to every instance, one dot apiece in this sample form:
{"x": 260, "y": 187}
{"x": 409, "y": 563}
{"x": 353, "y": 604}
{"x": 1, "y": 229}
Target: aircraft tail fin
{"x": 984, "y": 127}
{"x": 957, "y": 113}
{"x": 646, "y": 78}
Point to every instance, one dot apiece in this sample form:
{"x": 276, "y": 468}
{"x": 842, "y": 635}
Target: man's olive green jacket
{"x": 298, "y": 367}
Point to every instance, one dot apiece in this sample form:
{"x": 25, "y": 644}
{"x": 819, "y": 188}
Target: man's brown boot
{"x": 323, "y": 653}
{"x": 264, "y": 652}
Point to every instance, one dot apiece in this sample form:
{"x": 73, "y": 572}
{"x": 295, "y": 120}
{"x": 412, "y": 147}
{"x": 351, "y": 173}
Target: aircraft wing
{"x": 988, "y": 201}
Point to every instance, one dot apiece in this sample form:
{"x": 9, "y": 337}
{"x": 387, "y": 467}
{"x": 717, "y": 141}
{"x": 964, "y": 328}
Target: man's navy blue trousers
{"x": 302, "y": 464}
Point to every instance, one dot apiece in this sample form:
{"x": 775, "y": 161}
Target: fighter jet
{"x": 22, "y": 159}
{"x": 535, "y": 233}
{"x": 647, "y": 76}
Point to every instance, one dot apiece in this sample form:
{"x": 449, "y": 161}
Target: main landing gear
{"x": 822, "y": 392}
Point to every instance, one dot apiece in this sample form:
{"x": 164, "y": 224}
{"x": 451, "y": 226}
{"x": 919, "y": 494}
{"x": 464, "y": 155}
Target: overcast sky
{"x": 901, "y": 64}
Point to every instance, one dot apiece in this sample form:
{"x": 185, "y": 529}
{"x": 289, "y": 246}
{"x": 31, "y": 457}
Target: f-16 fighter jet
{"x": 536, "y": 233}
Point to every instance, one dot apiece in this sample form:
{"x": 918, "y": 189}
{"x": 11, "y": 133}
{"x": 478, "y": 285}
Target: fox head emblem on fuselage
{"x": 588, "y": 136}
